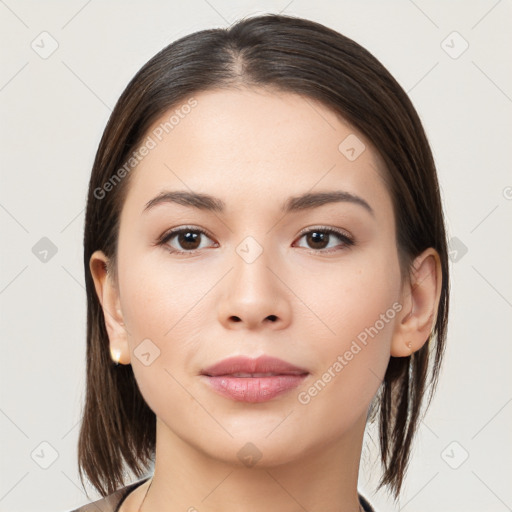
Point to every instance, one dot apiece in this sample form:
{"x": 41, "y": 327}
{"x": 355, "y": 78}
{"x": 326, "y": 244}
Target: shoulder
{"x": 112, "y": 502}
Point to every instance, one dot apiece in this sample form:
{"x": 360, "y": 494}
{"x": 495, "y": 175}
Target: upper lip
{"x": 262, "y": 364}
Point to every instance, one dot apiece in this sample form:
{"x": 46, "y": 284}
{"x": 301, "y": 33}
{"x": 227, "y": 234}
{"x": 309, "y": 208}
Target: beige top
{"x": 113, "y": 502}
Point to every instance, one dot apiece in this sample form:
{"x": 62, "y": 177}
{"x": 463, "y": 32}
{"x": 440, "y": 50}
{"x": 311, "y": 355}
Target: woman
{"x": 266, "y": 269}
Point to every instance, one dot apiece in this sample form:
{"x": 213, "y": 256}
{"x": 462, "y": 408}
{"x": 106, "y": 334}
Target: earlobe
{"x": 420, "y": 300}
{"x": 108, "y": 297}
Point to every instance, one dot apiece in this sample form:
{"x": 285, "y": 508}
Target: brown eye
{"x": 319, "y": 239}
{"x": 187, "y": 239}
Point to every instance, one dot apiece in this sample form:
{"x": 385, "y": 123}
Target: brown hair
{"x": 289, "y": 54}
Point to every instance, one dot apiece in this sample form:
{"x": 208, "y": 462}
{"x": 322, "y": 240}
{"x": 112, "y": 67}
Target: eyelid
{"x": 339, "y": 231}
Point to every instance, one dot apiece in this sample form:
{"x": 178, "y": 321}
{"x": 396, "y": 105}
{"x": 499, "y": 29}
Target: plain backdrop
{"x": 63, "y": 67}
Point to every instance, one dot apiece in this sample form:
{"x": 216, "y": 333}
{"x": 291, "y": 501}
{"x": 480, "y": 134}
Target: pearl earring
{"x": 115, "y": 353}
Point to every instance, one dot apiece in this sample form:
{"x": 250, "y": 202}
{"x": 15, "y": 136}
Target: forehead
{"x": 255, "y": 144}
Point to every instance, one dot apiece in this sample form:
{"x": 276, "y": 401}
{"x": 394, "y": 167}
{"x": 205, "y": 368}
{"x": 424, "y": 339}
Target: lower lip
{"x": 254, "y": 389}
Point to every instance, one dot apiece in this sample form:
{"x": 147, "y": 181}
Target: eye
{"x": 320, "y": 237}
{"x": 188, "y": 238}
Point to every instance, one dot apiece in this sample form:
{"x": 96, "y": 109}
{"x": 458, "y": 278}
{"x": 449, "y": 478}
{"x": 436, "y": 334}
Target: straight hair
{"x": 280, "y": 53}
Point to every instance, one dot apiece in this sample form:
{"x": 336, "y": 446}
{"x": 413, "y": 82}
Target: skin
{"x": 253, "y": 149}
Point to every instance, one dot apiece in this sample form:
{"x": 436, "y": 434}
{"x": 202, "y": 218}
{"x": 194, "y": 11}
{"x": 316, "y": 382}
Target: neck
{"x": 323, "y": 479}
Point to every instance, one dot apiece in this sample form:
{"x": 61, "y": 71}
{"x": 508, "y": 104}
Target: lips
{"x": 243, "y": 379}
{"x": 263, "y": 366}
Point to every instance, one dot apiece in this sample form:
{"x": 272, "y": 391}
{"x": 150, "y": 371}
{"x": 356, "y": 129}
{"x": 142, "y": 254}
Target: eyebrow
{"x": 302, "y": 202}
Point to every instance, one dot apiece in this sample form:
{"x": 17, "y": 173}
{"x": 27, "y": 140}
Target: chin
{"x": 257, "y": 451}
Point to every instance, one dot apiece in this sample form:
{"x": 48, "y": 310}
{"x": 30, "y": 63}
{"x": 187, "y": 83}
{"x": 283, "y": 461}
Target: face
{"x": 317, "y": 286}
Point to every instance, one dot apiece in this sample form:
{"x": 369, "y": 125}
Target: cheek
{"x": 159, "y": 330}
{"x": 351, "y": 298}
{"x": 158, "y": 299}
{"x": 352, "y": 361}
{"x": 162, "y": 311}
{"x": 357, "y": 309}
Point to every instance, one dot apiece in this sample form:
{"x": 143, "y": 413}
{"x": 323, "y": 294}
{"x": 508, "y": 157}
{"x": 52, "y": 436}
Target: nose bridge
{"x": 254, "y": 251}
{"x": 251, "y": 261}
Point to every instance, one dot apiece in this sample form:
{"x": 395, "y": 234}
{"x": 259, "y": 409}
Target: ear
{"x": 108, "y": 295}
{"x": 420, "y": 301}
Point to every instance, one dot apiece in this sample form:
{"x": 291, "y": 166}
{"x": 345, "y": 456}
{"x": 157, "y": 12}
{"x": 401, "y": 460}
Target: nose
{"x": 254, "y": 294}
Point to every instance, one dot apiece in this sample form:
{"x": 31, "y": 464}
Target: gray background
{"x": 53, "y": 111}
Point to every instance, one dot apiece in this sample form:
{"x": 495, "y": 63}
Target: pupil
{"x": 318, "y": 238}
{"x": 188, "y": 238}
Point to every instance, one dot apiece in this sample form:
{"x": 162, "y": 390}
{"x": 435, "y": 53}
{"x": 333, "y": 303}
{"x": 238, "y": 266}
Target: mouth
{"x": 243, "y": 379}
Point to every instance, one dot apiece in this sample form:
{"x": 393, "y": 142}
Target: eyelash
{"x": 347, "y": 240}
